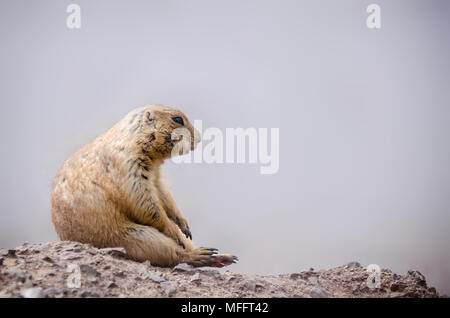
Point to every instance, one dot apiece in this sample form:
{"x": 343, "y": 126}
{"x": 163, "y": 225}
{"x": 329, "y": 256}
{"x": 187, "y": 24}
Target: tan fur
{"x": 111, "y": 192}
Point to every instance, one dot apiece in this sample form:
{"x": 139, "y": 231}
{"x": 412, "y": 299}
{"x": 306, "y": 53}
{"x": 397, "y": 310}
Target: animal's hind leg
{"x": 146, "y": 243}
{"x": 204, "y": 256}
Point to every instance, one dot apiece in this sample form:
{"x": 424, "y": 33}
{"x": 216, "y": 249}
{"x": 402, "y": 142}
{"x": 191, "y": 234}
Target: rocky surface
{"x": 70, "y": 269}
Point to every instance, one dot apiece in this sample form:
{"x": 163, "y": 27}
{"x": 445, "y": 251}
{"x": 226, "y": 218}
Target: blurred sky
{"x": 363, "y": 117}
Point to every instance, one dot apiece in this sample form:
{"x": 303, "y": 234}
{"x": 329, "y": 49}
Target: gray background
{"x": 363, "y": 117}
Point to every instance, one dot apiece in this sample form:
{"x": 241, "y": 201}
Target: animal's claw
{"x": 187, "y": 233}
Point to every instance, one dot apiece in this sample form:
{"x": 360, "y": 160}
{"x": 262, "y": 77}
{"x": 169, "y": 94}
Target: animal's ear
{"x": 148, "y": 117}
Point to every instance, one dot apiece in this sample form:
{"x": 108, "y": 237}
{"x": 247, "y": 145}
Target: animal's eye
{"x": 178, "y": 120}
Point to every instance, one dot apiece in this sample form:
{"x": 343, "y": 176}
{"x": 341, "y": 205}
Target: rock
{"x": 89, "y": 293}
{"x": 147, "y": 263}
{"x": 313, "y": 280}
{"x": 183, "y": 267}
{"x": 196, "y": 277}
{"x": 398, "y": 287}
{"x": 230, "y": 278}
{"x": 35, "y": 292}
{"x": 259, "y": 285}
{"x": 318, "y": 292}
{"x": 59, "y": 266}
{"x": 18, "y": 274}
{"x": 353, "y": 264}
{"x": 169, "y": 288}
{"x": 280, "y": 295}
{"x": 396, "y": 295}
{"x": 415, "y": 293}
{"x": 120, "y": 274}
{"x": 4, "y": 294}
{"x": 432, "y": 290}
{"x": 103, "y": 276}
{"x": 7, "y": 252}
{"x": 55, "y": 292}
{"x": 294, "y": 276}
{"x": 1, "y": 261}
{"x": 89, "y": 270}
{"x": 74, "y": 249}
{"x": 92, "y": 279}
{"x": 63, "y": 291}
{"x": 69, "y": 256}
{"x": 155, "y": 277}
{"x": 208, "y": 271}
{"x": 112, "y": 285}
{"x": 118, "y": 252}
{"x": 249, "y": 284}
{"x": 418, "y": 277}
{"x": 47, "y": 259}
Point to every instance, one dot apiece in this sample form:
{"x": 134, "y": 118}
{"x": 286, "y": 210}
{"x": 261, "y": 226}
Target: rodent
{"x": 111, "y": 192}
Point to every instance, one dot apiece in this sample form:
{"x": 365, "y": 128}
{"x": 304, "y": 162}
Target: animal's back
{"x": 83, "y": 207}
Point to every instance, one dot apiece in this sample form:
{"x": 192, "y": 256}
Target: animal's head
{"x": 162, "y": 132}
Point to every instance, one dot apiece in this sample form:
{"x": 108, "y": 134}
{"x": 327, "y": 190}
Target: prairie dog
{"x": 112, "y": 192}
